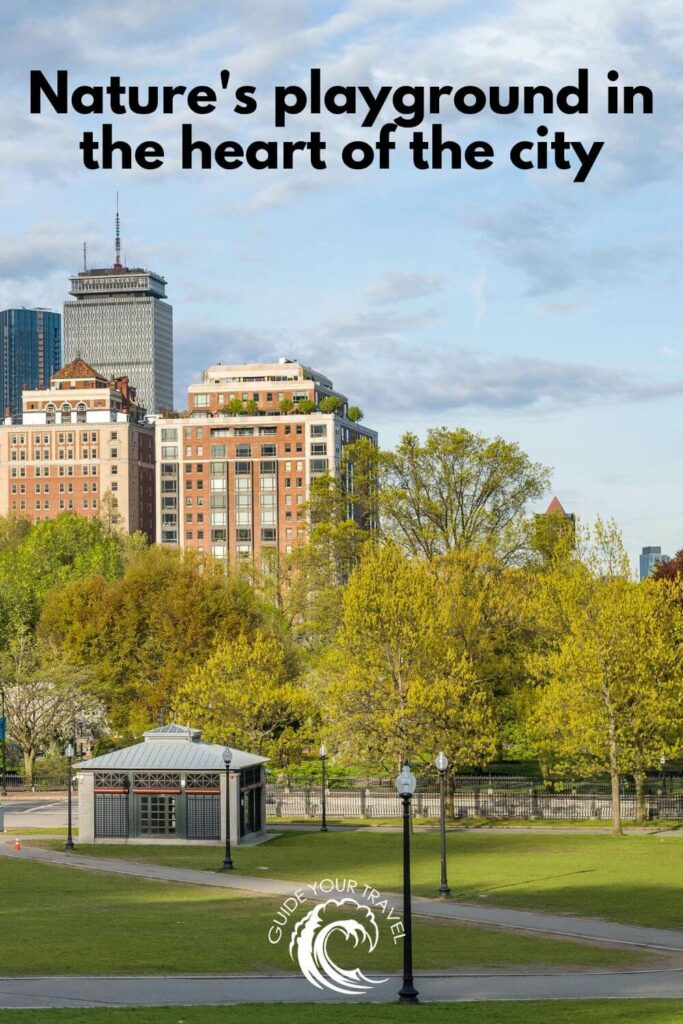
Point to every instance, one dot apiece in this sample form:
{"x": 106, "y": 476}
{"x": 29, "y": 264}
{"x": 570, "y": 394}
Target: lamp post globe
{"x": 441, "y": 763}
{"x": 406, "y": 784}
{"x": 323, "y": 761}
{"x": 227, "y": 859}
{"x": 69, "y": 752}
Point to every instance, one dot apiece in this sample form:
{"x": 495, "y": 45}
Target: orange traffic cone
{"x": 17, "y": 844}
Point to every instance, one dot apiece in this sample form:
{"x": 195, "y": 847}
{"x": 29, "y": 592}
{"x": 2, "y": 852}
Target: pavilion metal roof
{"x": 171, "y": 748}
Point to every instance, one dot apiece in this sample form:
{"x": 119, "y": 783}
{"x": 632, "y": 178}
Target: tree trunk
{"x": 29, "y": 764}
{"x": 641, "y": 807}
{"x": 450, "y": 795}
{"x": 616, "y": 802}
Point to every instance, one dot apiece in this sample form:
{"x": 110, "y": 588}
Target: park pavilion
{"x": 171, "y": 788}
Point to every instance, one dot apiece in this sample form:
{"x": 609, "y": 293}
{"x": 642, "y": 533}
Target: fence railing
{"x": 479, "y": 797}
{"x": 15, "y": 783}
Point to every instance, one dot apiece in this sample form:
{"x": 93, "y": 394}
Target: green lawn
{"x": 634, "y": 879}
{"x": 609, "y": 1011}
{"x": 66, "y": 921}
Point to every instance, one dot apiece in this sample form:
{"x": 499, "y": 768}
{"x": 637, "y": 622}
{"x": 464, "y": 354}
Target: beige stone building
{"x": 84, "y": 446}
{"x": 234, "y": 483}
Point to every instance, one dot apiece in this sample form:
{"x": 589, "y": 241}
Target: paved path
{"x": 183, "y": 990}
{"x": 521, "y": 920}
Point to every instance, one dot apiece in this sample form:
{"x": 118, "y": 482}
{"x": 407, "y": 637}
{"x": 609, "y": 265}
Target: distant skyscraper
{"x": 30, "y": 352}
{"x": 649, "y": 558}
{"x": 118, "y": 322}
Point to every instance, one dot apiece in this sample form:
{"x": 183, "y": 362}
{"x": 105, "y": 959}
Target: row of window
{"x": 63, "y": 470}
{"x": 45, "y": 488}
{"x": 64, "y": 504}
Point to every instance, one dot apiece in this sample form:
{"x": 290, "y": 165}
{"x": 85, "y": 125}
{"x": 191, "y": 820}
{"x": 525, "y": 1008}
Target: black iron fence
{"x": 40, "y": 783}
{"x": 480, "y": 796}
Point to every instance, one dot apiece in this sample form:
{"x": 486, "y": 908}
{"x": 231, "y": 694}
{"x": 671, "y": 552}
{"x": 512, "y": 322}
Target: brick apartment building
{"x": 82, "y": 440}
{"x": 232, "y": 484}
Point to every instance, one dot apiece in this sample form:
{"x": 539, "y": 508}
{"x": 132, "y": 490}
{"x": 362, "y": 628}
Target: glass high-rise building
{"x": 650, "y": 558}
{"x": 119, "y": 323}
{"x": 30, "y": 353}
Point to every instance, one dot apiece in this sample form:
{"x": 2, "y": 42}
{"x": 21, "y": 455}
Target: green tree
{"x": 246, "y": 694}
{"x": 306, "y": 406}
{"x": 457, "y": 490}
{"x": 250, "y": 407}
{"x": 398, "y": 687}
{"x": 286, "y": 405}
{"x": 612, "y": 697}
{"x": 146, "y": 631}
{"x": 51, "y": 554}
{"x": 330, "y": 403}
{"x": 355, "y": 414}
{"x": 235, "y": 407}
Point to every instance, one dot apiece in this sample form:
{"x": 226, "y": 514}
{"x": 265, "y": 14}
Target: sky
{"x": 514, "y": 303}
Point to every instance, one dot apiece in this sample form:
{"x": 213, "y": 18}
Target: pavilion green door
{"x": 157, "y": 814}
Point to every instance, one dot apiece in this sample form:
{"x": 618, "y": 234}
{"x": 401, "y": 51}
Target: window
{"x": 319, "y": 449}
{"x": 242, "y": 467}
{"x": 288, "y": 481}
{"x": 267, "y": 430}
{"x": 169, "y": 452}
{"x": 243, "y": 535}
{"x": 80, "y": 413}
{"x": 269, "y": 467}
{"x": 318, "y": 465}
{"x": 319, "y": 430}
{"x": 169, "y": 434}
{"x": 201, "y": 400}
{"x": 218, "y": 451}
{"x": 268, "y": 534}
{"x": 268, "y": 449}
{"x": 243, "y": 451}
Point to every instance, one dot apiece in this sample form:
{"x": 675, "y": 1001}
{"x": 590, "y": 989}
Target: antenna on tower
{"x": 117, "y": 239}
{"x": 85, "y": 256}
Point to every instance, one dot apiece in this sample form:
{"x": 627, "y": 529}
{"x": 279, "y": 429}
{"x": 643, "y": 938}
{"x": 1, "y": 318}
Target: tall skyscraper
{"x": 118, "y": 322}
{"x": 30, "y": 352}
{"x": 650, "y": 557}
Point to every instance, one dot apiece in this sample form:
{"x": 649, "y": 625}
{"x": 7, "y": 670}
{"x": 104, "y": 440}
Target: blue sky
{"x": 514, "y": 303}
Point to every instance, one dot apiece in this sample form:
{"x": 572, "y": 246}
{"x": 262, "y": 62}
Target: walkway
{"x": 198, "y": 990}
{"x": 550, "y": 924}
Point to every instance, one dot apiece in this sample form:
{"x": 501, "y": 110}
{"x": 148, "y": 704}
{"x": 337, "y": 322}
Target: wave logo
{"x": 310, "y": 939}
{"x": 332, "y": 909}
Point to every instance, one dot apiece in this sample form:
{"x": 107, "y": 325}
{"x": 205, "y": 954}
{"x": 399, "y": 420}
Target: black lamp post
{"x": 662, "y": 762}
{"x": 442, "y": 765}
{"x": 227, "y": 859}
{"x": 323, "y": 759}
{"x": 69, "y": 754}
{"x": 405, "y": 785}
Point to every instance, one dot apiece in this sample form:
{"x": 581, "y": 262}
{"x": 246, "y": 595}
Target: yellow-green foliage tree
{"x": 612, "y": 693}
{"x": 145, "y": 632}
{"x": 247, "y": 694}
{"x": 399, "y": 686}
